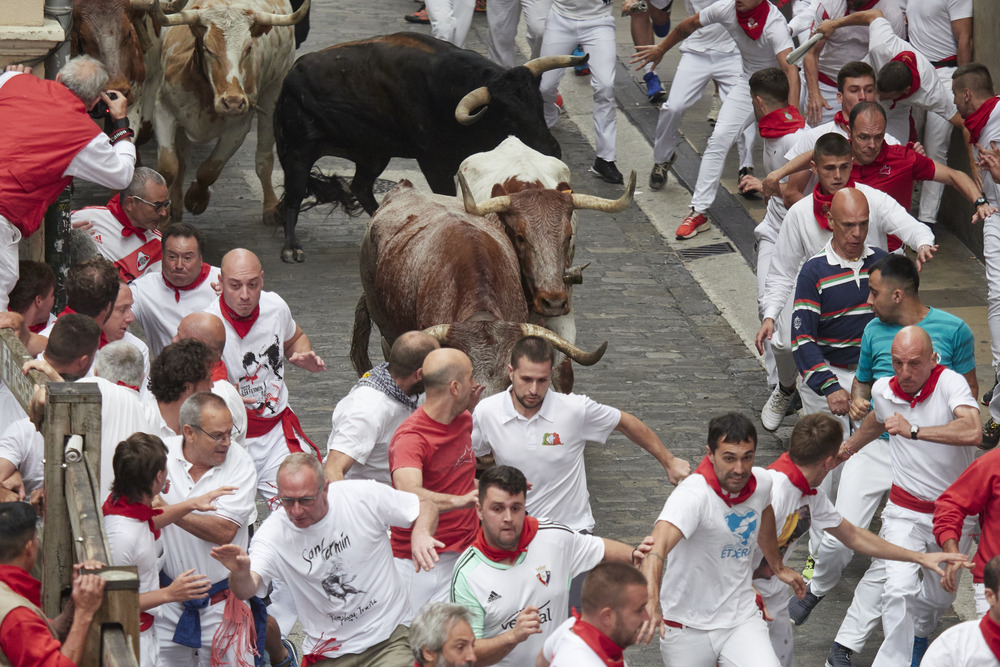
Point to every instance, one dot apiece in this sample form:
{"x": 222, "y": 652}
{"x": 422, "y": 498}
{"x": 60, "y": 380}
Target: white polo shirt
{"x": 496, "y": 593}
{"x": 961, "y": 645}
{"x": 706, "y": 582}
{"x": 340, "y": 570}
{"x": 132, "y": 256}
{"x": 363, "y": 424}
{"x": 548, "y": 449}
{"x": 24, "y": 446}
{"x": 925, "y": 469}
{"x": 758, "y": 53}
{"x": 159, "y": 309}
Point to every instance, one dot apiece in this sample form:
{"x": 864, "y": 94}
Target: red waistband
{"x": 904, "y": 498}
{"x": 259, "y": 426}
{"x": 673, "y": 624}
{"x": 950, "y": 61}
{"x": 145, "y": 621}
{"x": 823, "y": 78}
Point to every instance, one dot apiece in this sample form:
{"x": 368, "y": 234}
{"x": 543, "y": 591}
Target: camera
{"x": 100, "y": 110}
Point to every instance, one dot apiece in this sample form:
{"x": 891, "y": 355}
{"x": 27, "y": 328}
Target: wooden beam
{"x": 13, "y": 354}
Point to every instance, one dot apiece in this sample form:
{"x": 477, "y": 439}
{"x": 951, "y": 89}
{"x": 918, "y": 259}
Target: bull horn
{"x": 480, "y": 97}
{"x": 574, "y": 274}
{"x": 186, "y": 17}
{"x": 439, "y": 332}
{"x": 493, "y": 205}
{"x": 564, "y": 346}
{"x": 545, "y": 63}
{"x": 267, "y": 18}
{"x": 590, "y": 202}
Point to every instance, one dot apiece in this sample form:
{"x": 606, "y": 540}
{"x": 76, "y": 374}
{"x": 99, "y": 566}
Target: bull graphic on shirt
{"x": 263, "y": 375}
{"x": 743, "y": 527}
{"x": 337, "y": 584}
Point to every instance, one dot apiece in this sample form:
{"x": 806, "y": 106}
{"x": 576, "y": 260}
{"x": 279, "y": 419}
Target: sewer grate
{"x": 709, "y": 250}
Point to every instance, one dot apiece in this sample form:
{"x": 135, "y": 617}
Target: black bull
{"x": 403, "y": 95}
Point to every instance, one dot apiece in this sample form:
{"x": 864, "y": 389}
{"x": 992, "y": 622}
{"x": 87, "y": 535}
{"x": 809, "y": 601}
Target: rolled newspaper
{"x": 798, "y": 54}
{"x": 74, "y": 449}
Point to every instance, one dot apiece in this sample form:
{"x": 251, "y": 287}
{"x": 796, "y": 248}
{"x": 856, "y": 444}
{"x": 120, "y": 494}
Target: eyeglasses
{"x": 157, "y": 205}
{"x": 220, "y": 438}
{"x": 289, "y": 502}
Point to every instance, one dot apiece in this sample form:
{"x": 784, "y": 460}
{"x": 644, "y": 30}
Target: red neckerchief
{"x": 22, "y": 583}
{"x": 118, "y": 506}
{"x": 822, "y": 202}
{"x": 202, "y": 275}
{"x": 924, "y": 392}
{"x": 976, "y": 121}
{"x": 909, "y": 59}
{"x": 753, "y": 21}
{"x": 868, "y": 5}
{"x": 128, "y": 229}
{"x": 124, "y": 384}
{"x": 219, "y": 371}
{"x": 707, "y": 470}
{"x": 785, "y": 466}
{"x": 839, "y": 119}
{"x": 991, "y": 633}
{"x": 781, "y": 122}
{"x": 38, "y": 328}
{"x": 610, "y": 653}
{"x": 69, "y": 311}
{"x": 528, "y": 532}
{"x": 242, "y": 325}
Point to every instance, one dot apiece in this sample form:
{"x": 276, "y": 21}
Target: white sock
{"x": 647, "y": 68}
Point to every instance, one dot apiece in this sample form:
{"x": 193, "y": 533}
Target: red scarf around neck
{"x": 202, "y": 275}
{"x": 242, "y": 325}
{"x": 822, "y": 202}
{"x": 610, "y": 653}
{"x": 119, "y": 506}
{"x": 839, "y": 119}
{"x": 781, "y": 122}
{"x": 924, "y": 392}
{"x": 753, "y": 21}
{"x": 219, "y": 371}
{"x": 528, "y": 532}
{"x": 130, "y": 386}
{"x": 785, "y": 466}
{"x": 976, "y": 121}
{"x": 128, "y": 229}
{"x": 38, "y": 328}
{"x": 991, "y": 633}
{"x": 908, "y": 58}
{"x": 69, "y": 311}
{"x": 707, "y": 470}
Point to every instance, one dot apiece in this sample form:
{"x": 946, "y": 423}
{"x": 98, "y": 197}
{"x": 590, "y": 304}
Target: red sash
{"x": 924, "y": 392}
{"x": 118, "y": 506}
{"x": 753, "y": 21}
{"x": 528, "y": 532}
{"x": 242, "y": 325}
{"x": 785, "y": 466}
{"x": 610, "y": 653}
{"x": 909, "y": 59}
{"x": 707, "y": 470}
{"x": 991, "y": 633}
{"x": 976, "y": 121}
{"x": 202, "y": 275}
{"x": 828, "y": 80}
{"x": 904, "y": 498}
{"x": 259, "y": 426}
{"x": 781, "y": 122}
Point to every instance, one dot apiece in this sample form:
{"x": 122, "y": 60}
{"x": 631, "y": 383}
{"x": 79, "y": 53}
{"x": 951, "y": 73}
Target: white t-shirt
{"x": 182, "y": 550}
{"x": 548, "y": 449}
{"x": 231, "y": 396}
{"x": 132, "y": 543}
{"x": 990, "y": 132}
{"x": 363, "y": 424}
{"x": 929, "y": 26}
{"x": 496, "y": 593}
{"x": 850, "y": 43}
{"x": 564, "y": 648}
{"x": 137, "y": 257}
{"x": 256, "y": 364}
{"x": 582, "y": 10}
{"x": 775, "y": 150}
{"x": 925, "y": 469}
{"x": 961, "y": 645}
{"x": 10, "y": 409}
{"x": 758, "y": 53}
{"x": 159, "y": 309}
{"x": 24, "y": 446}
{"x": 340, "y": 570}
{"x": 709, "y": 37}
{"x": 706, "y": 582}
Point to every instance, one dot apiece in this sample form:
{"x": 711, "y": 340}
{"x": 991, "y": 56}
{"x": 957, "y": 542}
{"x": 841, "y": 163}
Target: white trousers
{"x": 149, "y": 648}
{"x": 597, "y": 37}
{"x": 991, "y": 253}
{"x": 172, "y": 654}
{"x": 779, "y": 628}
{"x": 503, "y": 15}
{"x": 781, "y": 346}
{"x": 735, "y": 117}
{"x": 765, "y": 251}
{"x": 9, "y": 238}
{"x": 693, "y": 72}
{"x": 267, "y": 452}
{"x": 746, "y": 645}
{"x": 897, "y": 121}
{"x": 424, "y": 587}
{"x": 937, "y": 137}
{"x": 450, "y": 19}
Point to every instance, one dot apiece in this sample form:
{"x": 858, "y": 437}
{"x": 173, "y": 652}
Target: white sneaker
{"x": 713, "y": 111}
{"x": 774, "y": 410}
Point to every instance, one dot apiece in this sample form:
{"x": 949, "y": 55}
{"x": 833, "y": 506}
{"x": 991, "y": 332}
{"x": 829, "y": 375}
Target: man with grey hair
{"x": 126, "y": 229}
{"x": 120, "y": 362}
{"x": 49, "y": 139}
{"x": 441, "y": 636}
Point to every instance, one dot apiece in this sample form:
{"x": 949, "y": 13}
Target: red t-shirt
{"x": 24, "y": 637}
{"x": 443, "y": 453}
{"x": 894, "y": 171}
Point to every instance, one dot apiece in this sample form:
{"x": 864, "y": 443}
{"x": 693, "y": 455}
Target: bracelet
{"x": 118, "y": 135}
{"x": 846, "y": 449}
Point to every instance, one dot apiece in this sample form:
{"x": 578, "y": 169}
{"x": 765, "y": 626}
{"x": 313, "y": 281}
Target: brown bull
{"x": 427, "y": 264}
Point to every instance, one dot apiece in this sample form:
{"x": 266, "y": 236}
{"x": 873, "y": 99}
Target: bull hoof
{"x": 300, "y": 256}
{"x": 196, "y": 199}
{"x": 293, "y": 255}
{"x": 271, "y": 217}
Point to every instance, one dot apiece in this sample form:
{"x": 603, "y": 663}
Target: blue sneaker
{"x": 799, "y": 610}
{"x": 654, "y": 89}
{"x": 580, "y": 70}
{"x": 292, "y": 659}
{"x": 919, "y": 648}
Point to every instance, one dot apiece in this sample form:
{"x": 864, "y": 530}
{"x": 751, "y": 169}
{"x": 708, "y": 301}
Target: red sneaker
{"x": 559, "y": 101}
{"x": 692, "y": 225}
{"x": 419, "y": 16}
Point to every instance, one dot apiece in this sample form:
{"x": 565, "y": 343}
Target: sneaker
{"x": 839, "y": 656}
{"x": 773, "y": 412}
{"x": 809, "y": 569}
{"x": 292, "y": 660}
{"x": 480, "y": 6}
{"x": 749, "y": 194}
{"x": 607, "y": 171}
{"x": 692, "y": 225}
{"x": 794, "y": 405}
{"x": 654, "y": 89}
{"x": 580, "y": 70}
{"x": 660, "y": 173}
{"x": 559, "y": 102}
{"x": 988, "y": 396}
{"x": 991, "y": 435}
{"x": 799, "y": 610}
{"x": 919, "y": 648}
{"x": 713, "y": 111}
{"x": 419, "y": 16}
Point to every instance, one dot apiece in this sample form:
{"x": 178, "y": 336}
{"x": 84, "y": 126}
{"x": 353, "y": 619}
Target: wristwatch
{"x": 914, "y": 429}
{"x": 980, "y": 202}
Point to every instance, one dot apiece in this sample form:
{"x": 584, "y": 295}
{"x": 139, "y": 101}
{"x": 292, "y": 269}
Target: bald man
{"x": 431, "y": 455}
{"x": 933, "y": 425}
{"x": 260, "y": 335}
{"x": 210, "y": 330}
{"x": 365, "y": 420}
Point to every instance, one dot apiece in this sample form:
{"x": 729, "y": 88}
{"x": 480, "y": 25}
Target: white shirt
{"x": 363, "y": 424}
{"x": 24, "y": 446}
{"x": 758, "y": 53}
{"x": 706, "y": 582}
{"x": 256, "y": 364}
{"x": 582, "y": 10}
{"x": 775, "y": 150}
{"x": 548, "y": 449}
{"x": 960, "y": 645}
{"x": 340, "y": 570}
{"x": 231, "y": 396}
{"x": 990, "y": 132}
{"x": 929, "y": 25}
{"x": 850, "y": 43}
{"x": 801, "y": 237}
{"x": 106, "y": 234}
{"x": 10, "y": 409}
{"x": 184, "y": 551}
{"x": 132, "y": 543}
{"x": 707, "y": 38}
{"x": 564, "y": 648}
{"x": 159, "y": 311}
{"x": 496, "y": 593}
{"x": 932, "y": 95}
{"x": 925, "y": 469}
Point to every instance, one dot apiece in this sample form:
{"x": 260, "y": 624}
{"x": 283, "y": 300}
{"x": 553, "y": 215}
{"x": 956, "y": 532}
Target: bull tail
{"x": 333, "y": 189}
{"x": 359, "y": 338}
